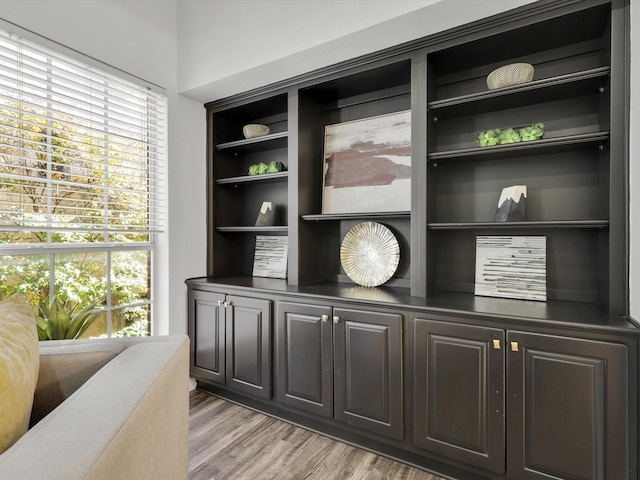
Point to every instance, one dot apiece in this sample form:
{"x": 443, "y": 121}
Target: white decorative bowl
{"x": 253, "y": 130}
{"x": 513, "y": 74}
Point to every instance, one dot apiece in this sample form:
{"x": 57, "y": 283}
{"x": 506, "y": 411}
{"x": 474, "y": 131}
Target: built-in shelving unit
{"x": 395, "y": 368}
{"x": 574, "y": 174}
{"x": 567, "y": 172}
{"x": 234, "y": 196}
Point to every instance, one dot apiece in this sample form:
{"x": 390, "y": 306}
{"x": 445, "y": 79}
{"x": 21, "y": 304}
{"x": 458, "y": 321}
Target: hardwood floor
{"x": 227, "y": 441}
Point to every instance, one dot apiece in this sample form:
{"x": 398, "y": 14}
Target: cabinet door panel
{"x": 368, "y": 371}
{"x": 207, "y": 333}
{"x": 567, "y": 409}
{"x": 305, "y": 368}
{"x": 459, "y": 392}
{"x": 249, "y": 346}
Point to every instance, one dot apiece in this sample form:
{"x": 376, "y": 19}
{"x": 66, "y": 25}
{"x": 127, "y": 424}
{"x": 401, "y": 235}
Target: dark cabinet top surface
{"x": 572, "y": 315}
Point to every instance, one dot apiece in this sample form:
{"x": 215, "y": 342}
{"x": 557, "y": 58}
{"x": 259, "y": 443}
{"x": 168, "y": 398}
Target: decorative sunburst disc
{"x": 369, "y": 254}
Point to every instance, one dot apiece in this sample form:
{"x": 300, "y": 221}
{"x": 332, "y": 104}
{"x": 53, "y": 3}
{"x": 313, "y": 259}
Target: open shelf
{"x": 555, "y": 144}
{"x": 253, "y": 229}
{"x": 520, "y": 225}
{"x": 571, "y": 84}
{"x": 235, "y": 197}
{"x": 279, "y": 176}
{"x": 266, "y": 142}
{"x": 355, "y": 216}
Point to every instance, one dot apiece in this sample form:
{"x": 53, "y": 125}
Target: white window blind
{"x": 81, "y": 151}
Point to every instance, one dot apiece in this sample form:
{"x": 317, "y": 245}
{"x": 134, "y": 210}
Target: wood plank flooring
{"x": 227, "y": 441}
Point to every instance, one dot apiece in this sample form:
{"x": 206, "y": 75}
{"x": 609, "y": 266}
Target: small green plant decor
{"x": 504, "y": 136}
{"x": 59, "y": 323}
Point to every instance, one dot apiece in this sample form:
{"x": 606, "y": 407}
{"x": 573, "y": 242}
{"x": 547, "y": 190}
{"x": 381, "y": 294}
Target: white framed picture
{"x": 511, "y": 267}
{"x": 367, "y": 165}
{"x": 270, "y": 258}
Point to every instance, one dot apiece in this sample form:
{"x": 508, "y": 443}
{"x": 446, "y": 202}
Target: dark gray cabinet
{"x": 566, "y": 407}
{"x": 207, "y": 335}
{"x": 460, "y": 393}
{"x": 231, "y": 341}
{"x": 248, "y": 327}
{"x": 342, "y": 363}
{"x": 305, "y": 358}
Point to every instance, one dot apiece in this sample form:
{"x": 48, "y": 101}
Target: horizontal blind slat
{"x": 157, "y": 229}
{"x": 41, "y": 97}
{"x": 99, "y": 190}
{"x": 146, "y": 142}
{"x": 32, "y": 50}
{"x": 85, "y": 160}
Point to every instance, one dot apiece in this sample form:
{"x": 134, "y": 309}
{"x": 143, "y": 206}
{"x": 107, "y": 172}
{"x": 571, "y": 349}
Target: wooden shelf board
{"x": 522, "y": 147}
{"x": 252, "y": 229}
{"x": 520, "y": 225}
{"x": 253, "y": 178}
{"x": 252, "y": 142}
{"x": 576, "y": 77}
{"x": 355, "y": 216}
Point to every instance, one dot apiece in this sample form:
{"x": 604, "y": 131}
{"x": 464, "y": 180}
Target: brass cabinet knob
{"x": 336, "y": 319}
{"x": 496, "y": 344}
{"x": 325, "y": 318}
{"x": 514, "y": 346}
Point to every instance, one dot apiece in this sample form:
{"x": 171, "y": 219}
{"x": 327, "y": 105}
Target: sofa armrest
{"x": 64, "y": 368}
{"x": 129, "y": 420}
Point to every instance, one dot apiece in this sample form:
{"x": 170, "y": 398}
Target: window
{"x": 82, "y": 156}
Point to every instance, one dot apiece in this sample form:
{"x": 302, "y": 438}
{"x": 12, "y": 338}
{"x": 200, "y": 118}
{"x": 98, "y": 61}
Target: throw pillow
{"x": 19, "y": 365}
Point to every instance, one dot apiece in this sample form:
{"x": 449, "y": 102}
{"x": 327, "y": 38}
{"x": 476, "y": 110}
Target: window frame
{"x": 155, "y": 237}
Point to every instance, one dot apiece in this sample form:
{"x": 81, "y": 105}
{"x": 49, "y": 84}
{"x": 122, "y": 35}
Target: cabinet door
{"x": 207, "y": 334}
{"x": 459, "y": 392}
{"x": 305, "y": 369}
{"x": 368, "y": 371}
{"x": 567, "y": 408}
{"x": 249, "y": 345}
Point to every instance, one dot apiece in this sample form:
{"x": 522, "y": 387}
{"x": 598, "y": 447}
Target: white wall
{"x": 230, "y": 46}
{"x": 221, "y": 38}
{"x": 140, "y": 37}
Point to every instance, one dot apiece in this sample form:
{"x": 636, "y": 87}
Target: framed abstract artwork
{"x": 511, "y": 267}
{"x": 367, "y": 165}
{"x": 270, "y": 258}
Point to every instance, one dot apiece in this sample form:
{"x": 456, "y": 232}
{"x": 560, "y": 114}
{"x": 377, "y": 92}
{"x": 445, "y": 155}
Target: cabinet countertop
{"x": 572, "y": 315}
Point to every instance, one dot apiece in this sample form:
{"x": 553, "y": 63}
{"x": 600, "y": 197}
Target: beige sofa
{"x": 107, "y": 409}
